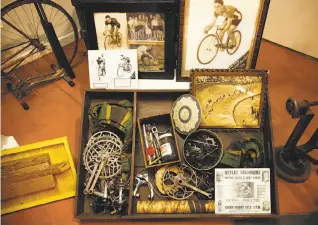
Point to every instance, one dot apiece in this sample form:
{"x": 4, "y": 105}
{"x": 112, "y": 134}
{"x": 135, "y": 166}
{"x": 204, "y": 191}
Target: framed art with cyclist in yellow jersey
{"x": 219, "y": 34}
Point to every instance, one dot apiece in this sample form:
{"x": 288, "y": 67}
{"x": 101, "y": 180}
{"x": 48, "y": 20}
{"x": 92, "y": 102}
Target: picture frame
{"x": 206, "y": 51}
{"x": 157, "y": 38}
{"x": 230, "y": 100}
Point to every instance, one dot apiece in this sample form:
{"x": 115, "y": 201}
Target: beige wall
{"x": 294, "y": 24}
{"x": 66, "y": 4}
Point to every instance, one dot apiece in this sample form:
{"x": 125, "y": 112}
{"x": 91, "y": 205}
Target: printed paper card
{"x": 113, "y": 69}
{"x": 242, "y": 191}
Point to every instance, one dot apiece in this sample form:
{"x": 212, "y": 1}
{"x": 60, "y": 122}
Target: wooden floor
{"x": 56, "y": 112}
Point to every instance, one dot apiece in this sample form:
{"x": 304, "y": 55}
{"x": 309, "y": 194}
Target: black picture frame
{"x": 246, "y": 61}
{"x": 86, "y": 8}
{"x": 262, "y": 74}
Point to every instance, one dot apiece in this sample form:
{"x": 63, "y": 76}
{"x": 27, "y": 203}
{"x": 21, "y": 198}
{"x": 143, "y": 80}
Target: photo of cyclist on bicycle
{"x": 101, "y": 66}
{"x": 233, "y": 18}
{"x": 115, "y": 26}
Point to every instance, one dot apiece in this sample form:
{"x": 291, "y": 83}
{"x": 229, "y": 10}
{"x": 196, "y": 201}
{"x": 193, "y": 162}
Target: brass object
{"x": 175, "y": 207}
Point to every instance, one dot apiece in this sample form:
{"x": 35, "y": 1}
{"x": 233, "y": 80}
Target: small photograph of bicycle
{"x": 111, "y": 30}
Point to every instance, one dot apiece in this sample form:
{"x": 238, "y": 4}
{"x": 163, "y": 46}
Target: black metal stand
{"x": 55, "y": 44}
{"x": 293, "y": 162}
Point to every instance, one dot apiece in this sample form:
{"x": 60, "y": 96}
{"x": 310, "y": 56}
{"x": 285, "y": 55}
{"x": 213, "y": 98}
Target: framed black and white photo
{"x": 219, "y": 34}
{"x": 149, "y": 26}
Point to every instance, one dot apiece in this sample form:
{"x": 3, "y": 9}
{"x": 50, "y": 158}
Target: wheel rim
{"x": 107, "y": 42}
{"x": 207, "y": 49}
{"x": 238, "y": 38}
{"x": 15, "y": 45}
{"x": 146, "y": 61}
{"x": 120, "y": 71}
{"x": 119, "y": 40}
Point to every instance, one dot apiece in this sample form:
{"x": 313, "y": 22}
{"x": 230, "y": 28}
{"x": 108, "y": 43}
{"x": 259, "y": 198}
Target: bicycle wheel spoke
{"x": 39, "y": 21}
{"x": 12, "y": 20}
{"x": 62, "y": 22}
{"x": 29, "y": 21}
{"x": 33, "y": 17}
{"x": 25, "y": 31}
{"x": 12, "y": 32}
{"x": 54, "y": 16}
{"x": 2, "y": 36}
{"x": 15, "y": 28}
{"x": 15, "y": 54}
{"x": 51, "y": 13}
{"x": 14, "y": 46}
{"x": 22, "y": 59}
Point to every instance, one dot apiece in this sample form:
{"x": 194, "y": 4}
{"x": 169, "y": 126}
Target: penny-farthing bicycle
{"x": 211, "y": 44}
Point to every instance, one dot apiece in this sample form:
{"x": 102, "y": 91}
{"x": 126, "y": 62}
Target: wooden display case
{"x": 148, "y": 103}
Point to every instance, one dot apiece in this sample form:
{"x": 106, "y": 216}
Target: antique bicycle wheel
{"x": 119, "y": 38}
{"x": 208, "y": 49}
{"x": 120, "y": 71}
{"x": 146, "y": 60}
{"x": 238, "y": 37}
{"x": 24, "y": 40}
{"x": 128, "y": 69}
{"x": 109, "y": 42}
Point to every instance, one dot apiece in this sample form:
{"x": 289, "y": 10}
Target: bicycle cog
{"x": 101, "y": 135}
{"x": 108, "y": 150}
{"x": 158, "y": 179}
{"x": 171, "y": 185}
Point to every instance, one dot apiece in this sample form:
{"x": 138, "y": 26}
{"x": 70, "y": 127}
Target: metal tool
{"x": 141, "y": 180}
{"x": 145, "y": 135}
{"x": 154, "y": 131}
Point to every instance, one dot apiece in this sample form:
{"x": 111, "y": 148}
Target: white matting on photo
{"x": 201, "y": 13}
{"x": 102, "y": 30}
{"x": 113, "y": 69}
{"x": 242, "y": 191}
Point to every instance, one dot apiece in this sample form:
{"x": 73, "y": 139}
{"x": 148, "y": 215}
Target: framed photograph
{"x": 230, "y": 98}
{"x": 149, "y": 26}
{"x": 219, "y": 34}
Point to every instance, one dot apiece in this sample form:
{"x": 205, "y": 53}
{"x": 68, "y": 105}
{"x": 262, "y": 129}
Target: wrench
{"x": 157, "y": 147}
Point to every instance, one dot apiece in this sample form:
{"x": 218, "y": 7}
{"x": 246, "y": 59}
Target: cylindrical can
{"x": 168, "y": 147}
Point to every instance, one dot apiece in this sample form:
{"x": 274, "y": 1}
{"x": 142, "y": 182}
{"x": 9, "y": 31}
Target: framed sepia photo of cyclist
{"x": 149, "y": 26}
{"x": 230, "y": 99}
{"x": 219, "y": 34}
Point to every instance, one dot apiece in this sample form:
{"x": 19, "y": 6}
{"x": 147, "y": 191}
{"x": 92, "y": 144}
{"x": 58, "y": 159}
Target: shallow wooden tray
{"x": 148, "y": 103}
